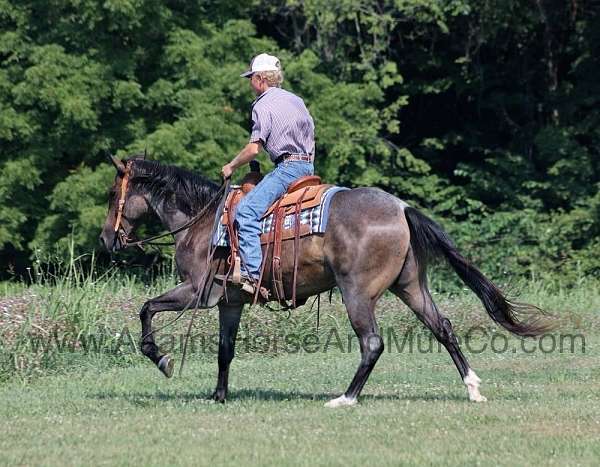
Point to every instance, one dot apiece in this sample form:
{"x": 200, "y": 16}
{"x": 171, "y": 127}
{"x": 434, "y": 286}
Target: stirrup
{"x": 243, "y": 280}
{"x": 249, "y": 286}
{"x": 236, "y": 276}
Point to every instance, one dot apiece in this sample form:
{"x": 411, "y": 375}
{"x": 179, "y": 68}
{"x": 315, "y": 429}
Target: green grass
{"x": 541, "y": 409}
{"x": 114, "y": 407}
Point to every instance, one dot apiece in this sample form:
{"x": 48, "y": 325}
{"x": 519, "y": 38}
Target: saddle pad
{"x": 315, "y": 218}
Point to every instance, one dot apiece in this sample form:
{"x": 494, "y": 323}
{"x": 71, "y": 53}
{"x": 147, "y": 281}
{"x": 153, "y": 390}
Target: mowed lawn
{"x": 543, "y": 408}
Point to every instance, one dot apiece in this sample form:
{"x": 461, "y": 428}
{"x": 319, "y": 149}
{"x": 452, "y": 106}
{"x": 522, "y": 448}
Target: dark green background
{"x": 482, "y": 112}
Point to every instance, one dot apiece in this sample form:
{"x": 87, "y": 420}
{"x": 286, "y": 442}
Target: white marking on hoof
{"x": 341, "y": 401}
{"x": 472, "y": 382}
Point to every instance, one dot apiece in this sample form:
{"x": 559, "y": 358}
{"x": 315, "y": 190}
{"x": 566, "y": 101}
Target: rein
{"x": 124, "y": 236}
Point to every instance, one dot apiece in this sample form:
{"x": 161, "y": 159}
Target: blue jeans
{"x": 253, "y": 206}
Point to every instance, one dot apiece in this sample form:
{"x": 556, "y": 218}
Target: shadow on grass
{"x": 276, "y": 395}
{"x": 147, "y": 400}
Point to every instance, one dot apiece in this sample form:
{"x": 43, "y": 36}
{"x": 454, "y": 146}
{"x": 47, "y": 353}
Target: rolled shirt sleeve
{"x": 261, "y": 126}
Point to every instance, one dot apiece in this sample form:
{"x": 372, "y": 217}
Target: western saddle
{"x": 304, "y": 193}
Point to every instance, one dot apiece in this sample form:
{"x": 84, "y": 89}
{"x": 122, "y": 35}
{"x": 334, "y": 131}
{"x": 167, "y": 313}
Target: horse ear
{"x": 118, "y": 164}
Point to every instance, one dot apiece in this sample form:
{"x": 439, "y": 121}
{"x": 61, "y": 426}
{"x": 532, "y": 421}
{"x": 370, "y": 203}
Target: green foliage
{"x": 78, "y": 204}
{"x": 18, "y": 178}
{"x": 482, "y": 112}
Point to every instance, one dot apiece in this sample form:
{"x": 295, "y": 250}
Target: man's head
{"x": 265, "y": 72}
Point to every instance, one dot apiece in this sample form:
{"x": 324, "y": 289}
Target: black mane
{"x": 176, "y": 187}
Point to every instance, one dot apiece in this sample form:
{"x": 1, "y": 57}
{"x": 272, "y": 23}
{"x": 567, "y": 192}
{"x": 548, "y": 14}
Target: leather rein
{"x": 124, "y": 236}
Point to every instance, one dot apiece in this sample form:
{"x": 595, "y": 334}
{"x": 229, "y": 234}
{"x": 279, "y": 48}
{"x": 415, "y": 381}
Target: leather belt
{"x": 294, "y": 157}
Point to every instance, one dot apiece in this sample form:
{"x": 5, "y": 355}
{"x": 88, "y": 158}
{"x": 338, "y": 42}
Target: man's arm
{"x": 247, "y": 154}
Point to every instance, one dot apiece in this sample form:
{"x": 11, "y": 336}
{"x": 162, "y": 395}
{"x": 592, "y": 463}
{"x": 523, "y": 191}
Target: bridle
{"x": 119, "y": 230}
{"x": 123, "y": 236}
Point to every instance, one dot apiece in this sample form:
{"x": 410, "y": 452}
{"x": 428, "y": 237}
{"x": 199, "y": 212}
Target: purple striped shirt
{"x": 282, "y": 123}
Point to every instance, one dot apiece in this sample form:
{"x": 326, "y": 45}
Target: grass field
{"x": 111, "y": 406}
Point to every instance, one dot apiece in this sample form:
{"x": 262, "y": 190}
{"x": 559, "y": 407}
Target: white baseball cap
{"x": 262, "y": 62}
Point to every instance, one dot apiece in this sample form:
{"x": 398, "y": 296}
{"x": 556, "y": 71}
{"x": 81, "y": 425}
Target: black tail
{"x": 428, "y": 239}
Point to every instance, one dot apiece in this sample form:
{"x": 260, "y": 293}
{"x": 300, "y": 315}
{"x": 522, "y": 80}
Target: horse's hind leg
{"x": 175, "y": 299}
{"x": 414, "y": 292}
{"x": 361, "y": 313}
{"x": 365, "y": 246}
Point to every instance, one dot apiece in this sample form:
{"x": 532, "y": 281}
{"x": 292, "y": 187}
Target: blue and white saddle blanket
{"x": 316, "y": 217}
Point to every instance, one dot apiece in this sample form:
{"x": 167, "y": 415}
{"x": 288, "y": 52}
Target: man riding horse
{"x": 283, "y": 126}
{"x": 373, "y": 242}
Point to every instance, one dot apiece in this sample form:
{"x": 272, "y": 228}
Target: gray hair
{"x": 273, "y": 78}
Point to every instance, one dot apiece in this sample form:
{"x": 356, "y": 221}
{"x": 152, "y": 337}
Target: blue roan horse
{"x": 374, "y": 242}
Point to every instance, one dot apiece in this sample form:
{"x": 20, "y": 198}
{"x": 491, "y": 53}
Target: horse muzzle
{"x": 111, "y": 241}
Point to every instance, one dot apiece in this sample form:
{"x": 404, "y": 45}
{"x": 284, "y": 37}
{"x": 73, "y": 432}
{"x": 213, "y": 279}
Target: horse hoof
{"x": 218, "y": 396}
{"x": 472, "y": 381}
{"x": 341, "y": 401}
{"x": 165, "y": 365}
{"x": 478, "y": 398}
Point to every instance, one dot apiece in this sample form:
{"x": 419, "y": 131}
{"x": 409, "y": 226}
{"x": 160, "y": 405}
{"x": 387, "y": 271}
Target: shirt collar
{"x": 264, "y": 94}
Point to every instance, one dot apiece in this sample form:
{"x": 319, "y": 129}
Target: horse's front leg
{"x": 175, "y": 299}
{"x": 229, "y": 320}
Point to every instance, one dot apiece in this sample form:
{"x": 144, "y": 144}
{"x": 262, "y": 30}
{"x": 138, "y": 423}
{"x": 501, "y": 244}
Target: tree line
{"x": 484, "y": 113}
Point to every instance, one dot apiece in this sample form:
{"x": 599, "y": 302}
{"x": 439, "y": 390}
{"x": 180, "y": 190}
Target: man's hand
{"x": 246, "y": 155}
{"x": 227, "y": 171}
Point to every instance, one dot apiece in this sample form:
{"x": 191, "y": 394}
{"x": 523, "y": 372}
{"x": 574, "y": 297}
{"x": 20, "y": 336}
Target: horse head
{"x": 127, "y": 203}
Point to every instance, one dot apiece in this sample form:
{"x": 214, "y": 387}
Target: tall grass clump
{"x": 70, "y": 309}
